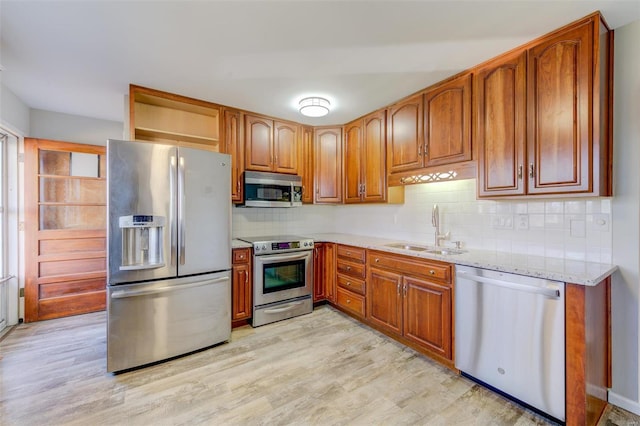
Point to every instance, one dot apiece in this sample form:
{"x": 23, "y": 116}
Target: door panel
{"x": 501, "y": 127}
{"x": 65, "y": 253}
{"x": 384, "y": 299}
{"x": 560, "y": 77}
{"x": 405, "y": 138}
{"x": 286, "y": 147}
{"x": 141, "y": 178}
{"x": 258, "y": 144}
{"x": 374, "y": 176}
{"x": 204, "y": 228}
{"x": 352, "y": 161}
{"x": 328, "y": 166}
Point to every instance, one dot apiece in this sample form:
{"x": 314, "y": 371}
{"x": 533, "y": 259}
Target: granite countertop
{"x": 566, "y": 270}
{"x": 235, "y": 243}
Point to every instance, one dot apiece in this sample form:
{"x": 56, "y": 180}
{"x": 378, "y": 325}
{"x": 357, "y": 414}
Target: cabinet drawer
{"x": 352, "y": 284}
{"x": 241, "y": 255}
{"x": 352, "y": 269}
{"x": 351, "y": 301}
{"x": 407, "y": 265}
{"x": 355, "y": 254}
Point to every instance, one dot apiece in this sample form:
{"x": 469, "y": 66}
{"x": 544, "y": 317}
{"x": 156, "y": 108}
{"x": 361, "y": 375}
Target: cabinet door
{"x": 285, "y": 145}
{"x": 405, "y": 138}
{"x": 318, "y": 272}
{"x": 374, "y": 176}
{"x": 384, "y": 299}
{"x": 328, "y": 165}
{"x": 352, "y": 162}
{"x": 447, "y": 111}
{"x": 234, "y": 145}
{"x": 559, "y": 99}
{"x": 306, "y": 164}
{"x": 241, "y": 292}
{"x": 258, "y": 144}
{"x": 427, "y": 315}
{"x": 500, "y": 108}
{"x": 330, "y": 271}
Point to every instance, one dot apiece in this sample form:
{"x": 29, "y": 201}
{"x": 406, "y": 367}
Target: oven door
{"x": 282, "y": 276}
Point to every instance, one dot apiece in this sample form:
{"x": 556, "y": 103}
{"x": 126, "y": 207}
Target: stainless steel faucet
{"x": 435, "y": 221}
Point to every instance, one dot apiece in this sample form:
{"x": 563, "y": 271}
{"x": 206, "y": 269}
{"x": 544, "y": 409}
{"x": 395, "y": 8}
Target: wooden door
{"x": 384, "y": 299}
{"x": 328, "y": 165}
{"x": 258, "y": 144}
{"x": 447, "y": 111}
{"x": 318, "y": 272}
{"x": 500, "y": 133}
{"x": 241, "y": 292}
{"x": 374, "y": 172}
{"x": 560, "y": 74}
{"x": 353, "y": 150}
{"x": 65, "y": 229}
{"x": 405, "y": 137}
{"x": 285, "y": 147}
{"x": 306, "y": 163}
{"x": 427, "y": 315}
{"x": 234, "y": 146}
{"x": 330, "y": 271}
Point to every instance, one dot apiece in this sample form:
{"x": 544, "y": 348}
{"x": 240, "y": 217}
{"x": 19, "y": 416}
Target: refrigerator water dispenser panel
{"x": 142, "y": 242}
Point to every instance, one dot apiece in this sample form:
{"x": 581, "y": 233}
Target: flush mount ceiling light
{"x": 314, "y": 106}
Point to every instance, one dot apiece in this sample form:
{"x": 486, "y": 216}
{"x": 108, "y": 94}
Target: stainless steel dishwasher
{"x": 509, "y": 334}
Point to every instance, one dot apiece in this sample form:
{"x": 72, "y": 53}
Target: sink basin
{"x": 432, "y": 250}
{"x": 407, "y": 247}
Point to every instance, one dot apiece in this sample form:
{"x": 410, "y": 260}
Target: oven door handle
{"x": 289, "y": 307}
{"x": 284, "y": 257}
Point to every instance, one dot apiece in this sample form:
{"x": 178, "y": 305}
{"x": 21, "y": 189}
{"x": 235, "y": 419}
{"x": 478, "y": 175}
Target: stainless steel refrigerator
{"x": 169, "y": 252}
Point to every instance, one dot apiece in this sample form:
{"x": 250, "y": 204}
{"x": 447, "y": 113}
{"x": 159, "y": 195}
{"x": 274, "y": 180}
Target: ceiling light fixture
{"x": 314, "y": 106}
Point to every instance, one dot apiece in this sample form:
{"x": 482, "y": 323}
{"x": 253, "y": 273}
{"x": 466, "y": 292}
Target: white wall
{"x": 626, "y": 227}
{"x": 73, "y": 128}
{"x": 14, "y": 114}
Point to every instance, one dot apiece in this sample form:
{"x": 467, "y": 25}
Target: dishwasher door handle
{"x": 548, "y": 292}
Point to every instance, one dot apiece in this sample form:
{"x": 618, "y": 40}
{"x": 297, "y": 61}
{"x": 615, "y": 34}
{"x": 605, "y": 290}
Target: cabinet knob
{"x": 432, "y": 272}
{"x": 377, "y": 260}
{"x": 348, "y": 268}
{"x": 348, "y": 301}
{"x": 348, "y": 283}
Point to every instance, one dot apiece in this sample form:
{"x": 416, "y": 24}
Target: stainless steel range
{"x": 282, "y": 277}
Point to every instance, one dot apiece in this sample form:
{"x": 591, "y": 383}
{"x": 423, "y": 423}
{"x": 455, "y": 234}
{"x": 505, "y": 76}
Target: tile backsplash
{"x": 576, "y": 229}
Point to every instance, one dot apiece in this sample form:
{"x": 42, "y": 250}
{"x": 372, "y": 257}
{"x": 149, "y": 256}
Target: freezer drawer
{"x": 150, "y": 322}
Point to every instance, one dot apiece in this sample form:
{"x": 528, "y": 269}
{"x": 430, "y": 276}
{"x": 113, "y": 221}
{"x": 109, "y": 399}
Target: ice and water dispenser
{"x": 142, "y": 242}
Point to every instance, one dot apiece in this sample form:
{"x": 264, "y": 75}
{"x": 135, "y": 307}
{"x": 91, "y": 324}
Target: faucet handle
{"x": 458, "y": 244}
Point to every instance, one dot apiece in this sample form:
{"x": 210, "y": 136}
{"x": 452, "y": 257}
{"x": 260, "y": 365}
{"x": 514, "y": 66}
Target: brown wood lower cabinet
{"x": 318, "y": 272}
{"x": 241, "y": 285}
{"x": 350, "y": 279}
{"x": 412, "y": 299}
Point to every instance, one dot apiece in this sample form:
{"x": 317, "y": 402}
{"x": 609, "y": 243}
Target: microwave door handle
{"x": 181, "y": 209}
{"x": 291, "y": 194}
{"x": 172, "y": 208}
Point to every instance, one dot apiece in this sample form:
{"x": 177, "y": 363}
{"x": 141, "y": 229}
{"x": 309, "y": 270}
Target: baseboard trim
{"x": 626, "y": 403}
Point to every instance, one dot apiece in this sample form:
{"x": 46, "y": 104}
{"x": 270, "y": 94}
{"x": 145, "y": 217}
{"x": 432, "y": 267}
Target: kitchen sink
{"x": 431, "y": 250}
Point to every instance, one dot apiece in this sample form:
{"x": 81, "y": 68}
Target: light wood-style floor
{"x": 318, "y": 369}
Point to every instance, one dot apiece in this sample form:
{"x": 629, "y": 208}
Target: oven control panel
{"x": 268, "y": 247}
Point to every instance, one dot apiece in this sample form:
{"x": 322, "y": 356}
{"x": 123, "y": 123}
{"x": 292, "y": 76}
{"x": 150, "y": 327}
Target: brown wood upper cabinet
{"x": 364, "y": 159}
{"x": 156, "y": 116}
{"x": 542, "y": 116}
{"x": 270, "y": 146}
{"x": 328, "y": 165}
{"x": 447, "y": 122}
{"x": 431, "y": 129}
{"x": 306, "y": 161}
{"x": 234, "y": 145}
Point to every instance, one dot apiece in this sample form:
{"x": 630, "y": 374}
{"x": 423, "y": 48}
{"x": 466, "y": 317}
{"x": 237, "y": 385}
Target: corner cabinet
{"x": 543, "y": 116}
{"x": 412, "y": 299}
{"x": 328, "y": 165}
{"x": 271, "y": 146}
{"x": 365, "y": 177}
{"x": 156, "y": 116}
{"x": 241, "y": 285}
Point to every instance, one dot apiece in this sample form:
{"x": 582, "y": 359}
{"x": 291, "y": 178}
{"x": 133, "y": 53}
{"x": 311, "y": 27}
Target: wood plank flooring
{"x": 319, "y": 369}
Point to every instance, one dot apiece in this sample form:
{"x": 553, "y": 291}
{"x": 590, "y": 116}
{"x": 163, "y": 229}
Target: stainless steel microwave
{"x": 262, "y": 189}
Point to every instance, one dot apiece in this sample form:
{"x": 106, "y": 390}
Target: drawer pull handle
{"x": 432, "y": 272}
{"x": 348, "y": 268}
{"x": 348, "y": 301}
{"x": 348, "y": 283}
{"x": 377, "y": 260}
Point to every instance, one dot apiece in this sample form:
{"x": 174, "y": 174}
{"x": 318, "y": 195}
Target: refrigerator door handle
{"x": 172, "y": 209}
{"x": 122, "y": 294}
{"x": 181, "y": 204}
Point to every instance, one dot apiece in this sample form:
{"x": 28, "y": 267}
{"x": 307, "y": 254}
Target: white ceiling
{"x": 78, "y": 57}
